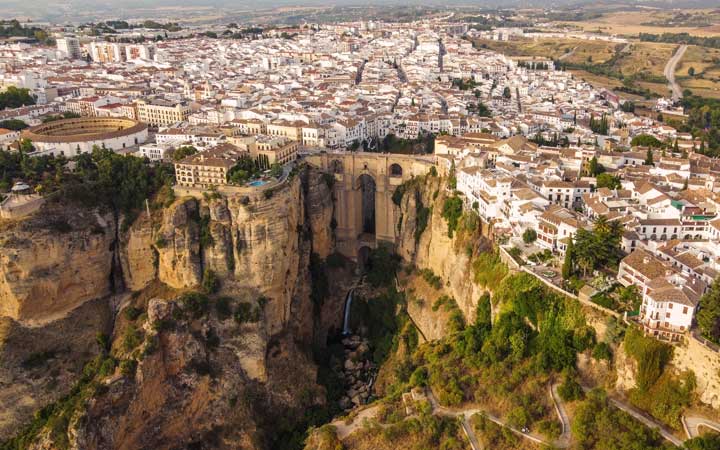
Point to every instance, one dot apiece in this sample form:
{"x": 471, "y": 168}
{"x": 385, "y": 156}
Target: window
{"x": 667, "y": 315}
{"x": 685, "y": 310}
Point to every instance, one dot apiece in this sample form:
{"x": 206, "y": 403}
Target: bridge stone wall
{"x": 388, "y": 171}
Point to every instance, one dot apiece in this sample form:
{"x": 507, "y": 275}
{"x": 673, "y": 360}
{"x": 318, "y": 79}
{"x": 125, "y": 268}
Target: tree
{"x": 691, "y": 71}
{"x": 606, "y": 180}
{"x": 26, "y": 146}
{"x": 13, "y": 124}
{"x": 529, "y": 236}
{"x": 649, "y": 158}
{"x": 506, "y": 93}
{"x": 595, "y": 168}
{"x": 567, "y": 267}
{"x": 276, "y": 170}
{"x": 708, "y": 316}
{"x": 646, "y": 140}
{"x": 13, "y": 97}
{"x": 183, "y": 152}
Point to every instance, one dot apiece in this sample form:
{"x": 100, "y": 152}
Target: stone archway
{"x": 396, "y": 170}
{"x": 367, "y": 187}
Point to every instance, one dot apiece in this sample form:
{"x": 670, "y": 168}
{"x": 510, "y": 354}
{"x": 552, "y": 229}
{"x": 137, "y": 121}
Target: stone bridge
{"x": 363, "y": 189}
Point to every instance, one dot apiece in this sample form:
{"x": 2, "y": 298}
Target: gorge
{"x": 251, "y": 321}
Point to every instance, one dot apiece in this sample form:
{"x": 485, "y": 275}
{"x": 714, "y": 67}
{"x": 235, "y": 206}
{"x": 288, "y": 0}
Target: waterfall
{"x": 348, "y": 304}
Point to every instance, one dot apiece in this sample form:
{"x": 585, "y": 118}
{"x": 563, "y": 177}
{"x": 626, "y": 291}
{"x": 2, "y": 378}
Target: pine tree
{"x": 676, "y": 148}
{"x": 567, "y": 267}
{"x": 649, "y": 158}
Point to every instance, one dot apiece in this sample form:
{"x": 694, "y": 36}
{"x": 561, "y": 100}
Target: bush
{"x": 128, "y": 367}
{"x": 570, "y": 389}
{"x": 210, "y": 282}
{"x": 195, "y": 303}
{"x": 335, "y": 260}
{"x": 131, "y": 338}
{"x": 518, "y": 418}
{"x": 451, "y": 212}
{"x": 245, "y": 313}
{"x": 430, "y": 278}
{"x": 651, "y": 356}
{"x": 602, "y": 351}
{"x": 550, "y": 428}
{"x": 131, "y": 313}
{"x": 529, "y": 236}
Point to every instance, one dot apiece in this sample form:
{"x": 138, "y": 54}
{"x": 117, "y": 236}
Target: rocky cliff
{"x": 256, "y": 246}
{"x": 54, "y": 262}
{"x": 431, "y": 247}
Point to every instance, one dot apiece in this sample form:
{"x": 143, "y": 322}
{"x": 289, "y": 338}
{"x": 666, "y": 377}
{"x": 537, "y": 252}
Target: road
{"x": 693, "y": 423}
{"x": 669, "y": 72}
{"x": 568, "y": 54}
{"x": 643, "y": 418}
{"x": 564, "y": 440}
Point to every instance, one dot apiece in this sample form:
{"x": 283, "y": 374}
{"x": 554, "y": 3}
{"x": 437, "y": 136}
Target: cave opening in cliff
{"x": 367, "y": 190}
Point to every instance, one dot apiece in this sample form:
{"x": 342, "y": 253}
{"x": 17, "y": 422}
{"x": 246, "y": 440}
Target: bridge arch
{"x": 355, "y": 203}
{"x": 396, "y": 170}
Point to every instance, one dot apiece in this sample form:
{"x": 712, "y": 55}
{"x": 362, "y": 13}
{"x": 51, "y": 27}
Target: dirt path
{"x": 344, "y": 430}
{"x": 669, "y": 72}
{"x": 568, "y": 54}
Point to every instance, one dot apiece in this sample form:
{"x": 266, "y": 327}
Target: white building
{"x": 69, "y": 47}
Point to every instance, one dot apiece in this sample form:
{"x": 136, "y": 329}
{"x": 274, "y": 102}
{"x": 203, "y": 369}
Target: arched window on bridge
{"x": 395, "y": 170}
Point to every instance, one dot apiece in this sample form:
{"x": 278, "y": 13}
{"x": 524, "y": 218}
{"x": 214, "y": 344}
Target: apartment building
{"x": 69, "y": 47}
{"x": 160, "y": 112}
{"x": 208, "y": 168}
{"x": 106, "y": 52}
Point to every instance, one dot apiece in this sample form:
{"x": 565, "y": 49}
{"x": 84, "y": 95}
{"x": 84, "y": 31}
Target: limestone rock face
{"x": 139, "y": 257}
{"x": 434, "y": 249}
{"x": 39, "y": 364}
{"x": 179, "y": 264}
{"x": 259, "y": 247}
{"x": 626, "y": 370}
{"x": 54, "y": 262}
{"x": 705, "y": 363}
{"x": 318, "y": 197}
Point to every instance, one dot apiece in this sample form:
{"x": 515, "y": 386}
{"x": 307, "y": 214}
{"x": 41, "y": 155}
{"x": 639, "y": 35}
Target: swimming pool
{"x": 257, "y": 183}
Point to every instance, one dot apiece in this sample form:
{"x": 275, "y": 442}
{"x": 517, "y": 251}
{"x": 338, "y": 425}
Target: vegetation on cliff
{"x": 102, "y": 178}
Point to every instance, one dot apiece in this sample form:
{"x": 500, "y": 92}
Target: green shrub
{"x": 131, "y": 338}
{"x": 518, "y": 418}
{"x": 335, "y": 260}
{"x": 451, "y": 212}
{"x": 245, "y": 312}
{"x": 651, "y": 356}
{"x": 131, "y": 313}
{"x": 602, "y": 351}
{"x": 128, "y": 367}
{"x": 210, "y": 282}
{"x": 430, "y": 278}
{"x": 195, "y": 303}
{"x": 550, "y": 428}
{"x": 570, "y": 389}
